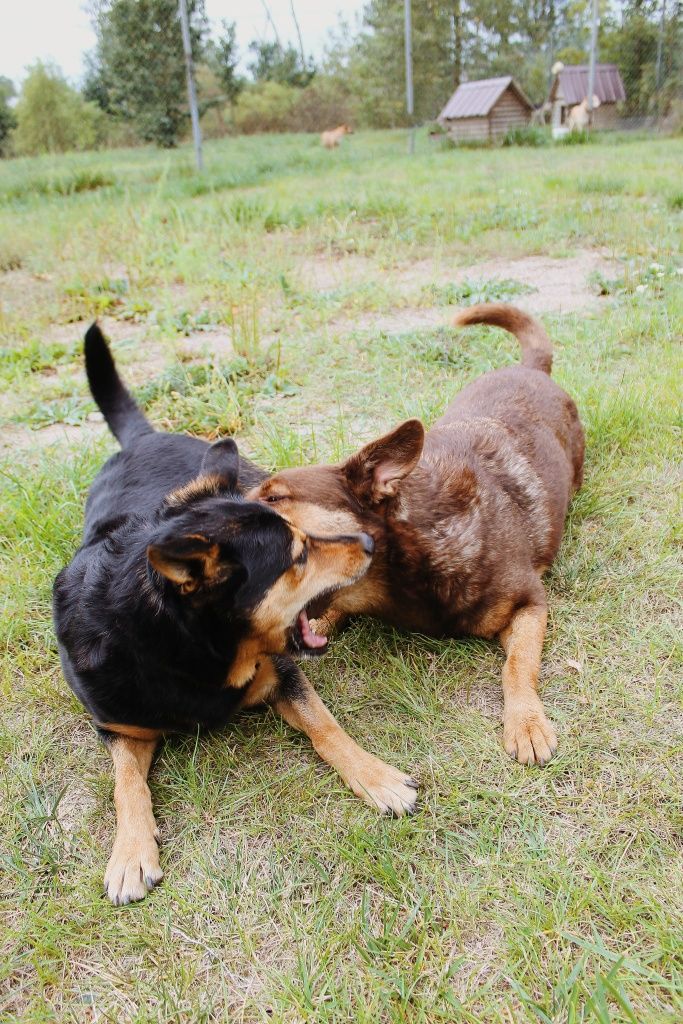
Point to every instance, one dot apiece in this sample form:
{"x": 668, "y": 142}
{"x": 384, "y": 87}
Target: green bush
{"x": 265, "y": 107}
{"x": 528, "y": 135}
{"x": 579, "y": 138}
{"x": 324, "y": 103}
{"x": 52, "y": 117}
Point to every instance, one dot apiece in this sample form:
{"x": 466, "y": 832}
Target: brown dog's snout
{"x": 364, "y": 540}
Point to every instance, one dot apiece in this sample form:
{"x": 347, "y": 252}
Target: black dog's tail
{"x": 122, "y": 413}
{"x": 537, "y": 349}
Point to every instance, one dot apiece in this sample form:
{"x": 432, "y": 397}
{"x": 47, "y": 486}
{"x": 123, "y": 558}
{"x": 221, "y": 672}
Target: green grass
{"x": 283, "y": 295}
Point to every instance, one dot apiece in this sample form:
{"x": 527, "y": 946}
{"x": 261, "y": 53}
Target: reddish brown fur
{"x": 465, "y": 518}
{"x": 330, "y": 139}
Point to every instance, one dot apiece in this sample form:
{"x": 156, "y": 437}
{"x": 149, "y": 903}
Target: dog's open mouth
{"x": 302, "y": 638}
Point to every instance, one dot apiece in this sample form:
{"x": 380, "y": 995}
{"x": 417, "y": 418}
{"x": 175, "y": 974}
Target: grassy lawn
{"x": 301, "y": 298}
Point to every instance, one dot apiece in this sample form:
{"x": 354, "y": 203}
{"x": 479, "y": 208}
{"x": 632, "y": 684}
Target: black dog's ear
{"x": 375, "y": 472}
{"x": 222, "y": 460}
{"x": 189, "y": 561}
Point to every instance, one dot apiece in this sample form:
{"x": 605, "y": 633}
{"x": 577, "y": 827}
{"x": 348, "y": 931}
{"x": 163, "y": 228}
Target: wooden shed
{"x": 570, "y": 87}
{"x": 485, "y": 110}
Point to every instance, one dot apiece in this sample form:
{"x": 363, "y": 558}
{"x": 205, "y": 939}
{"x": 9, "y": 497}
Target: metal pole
{"x": 591, "y": 65}
{"x": 191, "y": 92}
{"x": 408, "y": 37}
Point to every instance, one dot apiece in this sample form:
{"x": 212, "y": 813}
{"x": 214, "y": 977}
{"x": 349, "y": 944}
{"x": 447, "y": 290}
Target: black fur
{"x": 136, "y": 647}
{"x": 126, "y": 421}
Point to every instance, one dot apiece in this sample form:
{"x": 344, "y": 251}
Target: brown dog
{"x": 331, "y": 139}
{"x": 465, "y": 519}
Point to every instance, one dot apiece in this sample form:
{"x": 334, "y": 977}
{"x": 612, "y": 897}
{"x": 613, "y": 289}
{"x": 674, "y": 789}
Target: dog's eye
{"x": 272, "y": 498}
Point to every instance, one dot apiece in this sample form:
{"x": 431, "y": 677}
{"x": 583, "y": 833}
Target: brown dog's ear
{"x": 375, "y": 472}
{"x": 187, "y": 561}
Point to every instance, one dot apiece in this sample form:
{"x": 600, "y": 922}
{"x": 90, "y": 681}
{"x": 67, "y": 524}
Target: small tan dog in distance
{"x": 579, "y": 117}
{"x": 333, "y": 137}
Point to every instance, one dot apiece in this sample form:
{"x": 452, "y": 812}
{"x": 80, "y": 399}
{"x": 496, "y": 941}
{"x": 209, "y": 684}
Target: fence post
{"x": 191, "y": 93}
{"x": 660, "y": 47}
{"x": 408, "y": 38}
{"x": 591, "y": 65}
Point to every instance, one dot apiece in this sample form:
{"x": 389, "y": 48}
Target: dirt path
{"x": 559, "y": 286}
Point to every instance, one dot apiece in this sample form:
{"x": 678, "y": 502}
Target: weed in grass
{"x": 529, "y": 135}
{"x": 467, "y": 293}
{"x": 600, "y": 185}
{"x": 576, "y": 138}
{"x": 97, "y": 297}
{"x": 244, "y": 323}
{"x": 71, "y": 410}
{"x": 82, "y": 180}
{"x": 211, "y": 399}
{"x": 11, "y": 257}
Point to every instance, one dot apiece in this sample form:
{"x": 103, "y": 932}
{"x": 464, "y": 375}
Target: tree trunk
{"x": 457, "y": 42}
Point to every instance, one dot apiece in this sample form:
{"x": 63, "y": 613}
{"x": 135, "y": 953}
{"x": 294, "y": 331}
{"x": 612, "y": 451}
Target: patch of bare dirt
{"x": 75, "y": 807}
{"x": 20, "y": 290}
{"x": 199, "y": 343}
{"x": 14, "y": 437}
{"x": 560, "y": 286}
{"x": 323, "y": 273}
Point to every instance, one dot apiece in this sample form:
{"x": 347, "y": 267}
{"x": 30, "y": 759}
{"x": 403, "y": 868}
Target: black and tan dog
{"x": 179, "y": 607}
{"x": 465, "y": 519}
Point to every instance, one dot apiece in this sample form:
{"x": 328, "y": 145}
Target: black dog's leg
{"x": 383, "y": 787}
{"x": 133, "y": 867}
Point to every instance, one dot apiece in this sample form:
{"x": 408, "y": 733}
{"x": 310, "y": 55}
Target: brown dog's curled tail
{"x": 537, "y": 349}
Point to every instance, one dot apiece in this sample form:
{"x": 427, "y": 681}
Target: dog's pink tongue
{"x": 310, "y": 638}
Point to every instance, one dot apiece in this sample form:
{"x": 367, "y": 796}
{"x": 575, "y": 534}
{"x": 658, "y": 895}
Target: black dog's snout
{"x": 367, "y": 543}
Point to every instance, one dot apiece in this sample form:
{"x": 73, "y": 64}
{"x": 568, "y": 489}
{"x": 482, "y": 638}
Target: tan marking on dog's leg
{"x": 528, "y": 736}
{"x": 133, "y": 867}
{"x": 383, "y": 787}
{"x": 262, "y": 685}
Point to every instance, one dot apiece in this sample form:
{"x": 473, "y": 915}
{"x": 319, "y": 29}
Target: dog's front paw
{"x": 133, "y": 869}
{"x": 387, "y": 789}
{"x": 528, "y": 736}
{"x": 329, "y": 622}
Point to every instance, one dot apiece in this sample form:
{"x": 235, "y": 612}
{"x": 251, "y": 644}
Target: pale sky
{"x": 59, "y": 30}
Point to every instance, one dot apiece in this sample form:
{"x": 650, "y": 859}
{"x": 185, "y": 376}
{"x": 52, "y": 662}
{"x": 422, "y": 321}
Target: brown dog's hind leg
{"x": 528, "y": 736}
{"x": 385, "y": 788}
{"x": 133, "y": 867}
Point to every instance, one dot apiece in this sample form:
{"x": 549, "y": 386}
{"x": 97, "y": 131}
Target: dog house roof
{"x": 573, "y": 82}
{"x": 476, "y": 99}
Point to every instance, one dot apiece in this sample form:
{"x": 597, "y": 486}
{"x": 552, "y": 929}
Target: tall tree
{"x": 376, "y": 67}
{"x": 273, "y": 62}
{"x": 51, "y": 116}
{"x": 7, "y": 119}
{"x": 138, "y": 70}
{"x": 223, "y": 58}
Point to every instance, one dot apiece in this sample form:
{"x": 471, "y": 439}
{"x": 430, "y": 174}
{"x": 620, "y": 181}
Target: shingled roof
{"x": 573, "y": 82}
{"x": 476, "y": 99}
